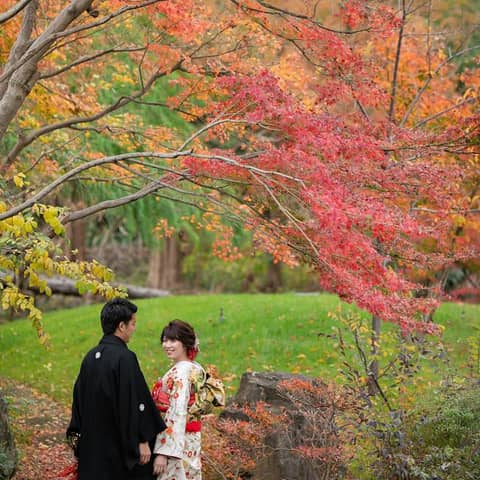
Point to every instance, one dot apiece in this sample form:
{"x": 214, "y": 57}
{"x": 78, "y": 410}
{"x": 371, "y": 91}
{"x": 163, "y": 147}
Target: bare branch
{"x": 296, "y": 222}
{"x": 210, "y": 125}
{"x": 251, "y": 168}
{"x": 86, "y": 166}
{"x": 393, "y": 93}
{"x": 445, "y": 111}
{"x": 427, "y": 83}
{"x": 107, "y": 204}
{"x": 56, "y": 30}
{"x": 23, "y": 74}
{"x": 89, "y": 58}
{"x": 453, "y": 212}
{"x": 277, "y": 11}
{"x": 107, "y": 18}
{"x": 162, "y": 104}
{"x": 121, "y": 102}
{"x": 17, "y": 8}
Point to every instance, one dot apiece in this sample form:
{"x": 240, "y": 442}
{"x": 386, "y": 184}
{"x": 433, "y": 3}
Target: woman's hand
{"x": 159, "y": 464}
{"x": 145, "y": 453}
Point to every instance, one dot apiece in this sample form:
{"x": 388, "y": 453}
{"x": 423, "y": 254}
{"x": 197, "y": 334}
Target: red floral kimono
{"x": 184, "y": 446}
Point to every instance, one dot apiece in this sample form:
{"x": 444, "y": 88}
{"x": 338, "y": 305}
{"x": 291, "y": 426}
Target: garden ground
{"x": 39, "y": 425}
{"x": 258, "y": 332}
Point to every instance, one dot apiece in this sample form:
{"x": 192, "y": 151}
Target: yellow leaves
{"x": 459, "y": 221}
{"x": 441, "y": 55}
{"x": 84, "y": 287}
{"x": 124, "y": 78}
{"x": 101, "y": 272}
{"x": 470, "y": 93}
{"x": 29, "y": 254}
{"x": 36, "y": 282}
{"x": 39, "y": 259}
{"x": 16, "y": 300}
{"x": 41, "y": 104}
{"x": 19, "y": 180}
{"x": 51, "y": 216}
{"x": 43, "y": 337}
{"x": 6, "y": 263}
{"x": 18, "y": 226}
{"x": 292, "y": 72}
{"x": 28, "y": 122}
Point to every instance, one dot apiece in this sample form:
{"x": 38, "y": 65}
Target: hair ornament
{"x": 192, "y": 352}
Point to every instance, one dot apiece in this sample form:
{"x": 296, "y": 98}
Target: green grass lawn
{"x": 260, "y": 332}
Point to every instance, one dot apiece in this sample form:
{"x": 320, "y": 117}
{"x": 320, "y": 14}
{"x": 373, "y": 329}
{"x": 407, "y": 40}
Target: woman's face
{"x": 174, "y": 349}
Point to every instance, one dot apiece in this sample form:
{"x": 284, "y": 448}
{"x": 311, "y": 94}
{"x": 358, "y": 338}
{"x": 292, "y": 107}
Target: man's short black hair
{"x": 114, "y": 312}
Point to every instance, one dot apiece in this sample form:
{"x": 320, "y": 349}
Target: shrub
{"x": 296, "y": 434}
{"x": 446, "y": 443}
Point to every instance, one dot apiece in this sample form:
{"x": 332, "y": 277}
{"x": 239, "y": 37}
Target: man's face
{"x": 126, "y": 329}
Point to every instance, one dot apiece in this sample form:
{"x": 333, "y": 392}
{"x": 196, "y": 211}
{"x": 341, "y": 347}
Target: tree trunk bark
{"x": 165, "y": 265}
{"x": 76, "y": 232}
{"x": 274, "y": 279}
{"x": 22, "y": 80}
{"x": 8, "y": 451}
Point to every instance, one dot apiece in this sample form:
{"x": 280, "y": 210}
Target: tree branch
{"x": 277, "y": 11}
{"x": 6, "y": 16}
{"x": 56, "y": 30}
{"x": 88, "y": 58}
{"x": 121, "y": 102}
{"x": 22, "y": 41}
{"x": 108, "y": 204}
{"x": 393, "y": 93}
{"x": 86, "y": 166}
{"x": 24, "y": 73}
{"x": 427, "y": 83}
{"x": 446, "y": 110}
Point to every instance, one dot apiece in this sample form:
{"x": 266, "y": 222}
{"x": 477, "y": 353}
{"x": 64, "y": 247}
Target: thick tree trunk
{"x": 165, "y": 267}
{"x": 16, "y": 86}
{"x": 8, "y": 452}
{"x": 154, "y": 268}
{"x": 76, "y": 232}
{"x": 274, "y": 279}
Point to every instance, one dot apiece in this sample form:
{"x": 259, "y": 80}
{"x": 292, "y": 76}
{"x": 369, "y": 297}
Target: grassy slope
{"x": 260, "y": 332}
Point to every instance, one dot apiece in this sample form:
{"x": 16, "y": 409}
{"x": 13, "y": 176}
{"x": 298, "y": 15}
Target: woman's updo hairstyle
{"x": 184, "y": 332}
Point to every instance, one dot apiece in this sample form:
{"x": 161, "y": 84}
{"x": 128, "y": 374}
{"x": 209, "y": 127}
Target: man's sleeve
{"x": 75, "y": 425}
{"x": 138, "y": 418}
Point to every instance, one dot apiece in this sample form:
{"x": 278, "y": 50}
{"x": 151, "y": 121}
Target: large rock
{"x": 282, "y": 463}
{"x": 8, "y": 452}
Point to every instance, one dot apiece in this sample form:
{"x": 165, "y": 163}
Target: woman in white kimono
{"x": 177, "y": 448}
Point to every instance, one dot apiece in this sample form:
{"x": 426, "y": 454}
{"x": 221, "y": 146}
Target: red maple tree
{"x": 302, "y": 130}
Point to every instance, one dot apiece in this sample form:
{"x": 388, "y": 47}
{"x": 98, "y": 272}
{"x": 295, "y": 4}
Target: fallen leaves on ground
{"x": 38, "y": 424}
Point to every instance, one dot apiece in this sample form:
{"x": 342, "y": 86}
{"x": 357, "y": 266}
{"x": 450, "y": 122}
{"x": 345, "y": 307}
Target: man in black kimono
{"x": 114, "y": 418}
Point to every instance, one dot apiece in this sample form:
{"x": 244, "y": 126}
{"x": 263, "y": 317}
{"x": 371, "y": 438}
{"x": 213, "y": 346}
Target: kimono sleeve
{"x": 171, "y": 442}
